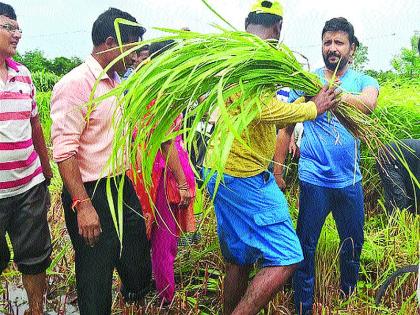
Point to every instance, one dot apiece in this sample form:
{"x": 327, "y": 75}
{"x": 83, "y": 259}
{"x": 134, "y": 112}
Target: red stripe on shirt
{"x": 14, "y": 96}
{"x": 23, "y": 78}
{"x": 33, "y": 105}
{"x": 15, "y": 145}
{"x": 7, "y": 166}
{"x": 22, "y": 181}
{"x": 15, "y": 116}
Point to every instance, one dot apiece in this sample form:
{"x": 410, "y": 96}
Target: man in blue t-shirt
{"x": 329, "y": 172}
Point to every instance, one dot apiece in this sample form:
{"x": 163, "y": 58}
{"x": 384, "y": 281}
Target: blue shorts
{"x": 253, "y": 221}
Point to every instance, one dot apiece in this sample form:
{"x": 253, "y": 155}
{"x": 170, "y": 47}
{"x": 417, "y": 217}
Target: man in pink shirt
{"x": 24, "y": 169}
{"x": 82, "y": 146}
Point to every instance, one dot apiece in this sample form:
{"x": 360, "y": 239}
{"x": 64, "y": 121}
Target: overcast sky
{"x": 62, "y": 27}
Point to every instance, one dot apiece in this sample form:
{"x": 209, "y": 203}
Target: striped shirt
{"x": 20, "y": 167}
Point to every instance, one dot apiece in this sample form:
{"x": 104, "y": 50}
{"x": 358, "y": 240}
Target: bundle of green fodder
{"x": 220, "y": 65}
{"x": 217, "y": 65}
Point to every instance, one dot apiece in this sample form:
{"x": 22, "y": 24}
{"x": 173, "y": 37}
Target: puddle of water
{"x": 18, "y": 303}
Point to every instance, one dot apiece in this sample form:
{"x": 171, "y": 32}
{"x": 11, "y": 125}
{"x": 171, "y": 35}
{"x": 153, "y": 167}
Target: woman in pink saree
{"x": 172, "y": 194}
{"x": 168, "y": 216}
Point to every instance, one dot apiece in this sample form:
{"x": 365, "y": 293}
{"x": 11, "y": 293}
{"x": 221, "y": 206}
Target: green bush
{"x": 44, "y": 81}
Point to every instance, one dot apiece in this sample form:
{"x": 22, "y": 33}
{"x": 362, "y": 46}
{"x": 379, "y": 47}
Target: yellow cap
{"x": 267, "y": 6}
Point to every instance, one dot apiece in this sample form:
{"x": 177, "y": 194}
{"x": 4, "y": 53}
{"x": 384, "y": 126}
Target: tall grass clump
{"x": 391, "y": 242}
{"x": 44, "y": 81}
{"x": 43, "y": 104}
{"x": 399, "y": 111}
{"x": 400, "y": 106}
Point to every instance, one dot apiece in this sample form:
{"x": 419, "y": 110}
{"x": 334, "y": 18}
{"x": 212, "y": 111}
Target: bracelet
{"x": 77, "y": 202}
{"x": 183, "y": 186}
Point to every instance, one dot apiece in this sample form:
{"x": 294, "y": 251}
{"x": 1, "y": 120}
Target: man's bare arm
{"x": 282, "y": 147}
{"x": 171, "y": 155}
{"x": 365, "y": 102}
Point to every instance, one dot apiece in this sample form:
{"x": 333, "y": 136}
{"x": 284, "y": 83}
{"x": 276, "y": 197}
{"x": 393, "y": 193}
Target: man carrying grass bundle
{"x": 25, "y": 170}
{"x": 329, "y": 173}
{"x": 82, "y": 145}
{"x": 253, "y": 221}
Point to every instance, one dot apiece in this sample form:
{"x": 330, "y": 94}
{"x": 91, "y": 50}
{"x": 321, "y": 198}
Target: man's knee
{"x": 36, "y": 268}
{"x": 352, "y": 246}
{"x": 282, "y": 273}
{"x": 289, "y": 270}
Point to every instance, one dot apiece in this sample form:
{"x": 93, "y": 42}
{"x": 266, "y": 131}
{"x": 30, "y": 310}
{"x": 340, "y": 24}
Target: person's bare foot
{"x": 317, "y": 309}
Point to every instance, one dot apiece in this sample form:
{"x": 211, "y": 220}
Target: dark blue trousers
{"x": 346, "y": 205}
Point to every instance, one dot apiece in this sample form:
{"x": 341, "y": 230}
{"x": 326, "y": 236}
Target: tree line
{"x": 405, "y": 65}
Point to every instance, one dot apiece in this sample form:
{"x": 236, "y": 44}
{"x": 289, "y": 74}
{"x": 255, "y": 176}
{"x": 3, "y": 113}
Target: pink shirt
{"x": 20, "y": 167}
{"x": 71, "y": 135}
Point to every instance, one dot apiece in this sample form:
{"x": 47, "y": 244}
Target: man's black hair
{"x": 103, "y": 27}
{"x": 356, "y": 42}
{"x": 340, "y": 24}
{"x": 7, "y": 10}
{"x": 158, "y": 48}
{"x": 264, "y": 19}
{"x": 144, "y": 47}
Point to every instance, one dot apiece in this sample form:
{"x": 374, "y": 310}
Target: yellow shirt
{"x": 260, "y": 136}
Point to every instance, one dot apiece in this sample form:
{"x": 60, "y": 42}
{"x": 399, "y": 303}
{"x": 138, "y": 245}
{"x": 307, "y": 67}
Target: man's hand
{"x": 184, "y": 193}
{"x": 280, "y": 182}
{"x": 41, "y": 148}
{"x": 326, "y": 99}
{"x": 48, "y": 175}
{"x": 293, "y": 148}
{"x": 88, "y": 223}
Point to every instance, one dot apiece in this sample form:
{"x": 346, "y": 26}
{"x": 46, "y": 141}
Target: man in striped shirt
{"x": 24, "y": 169}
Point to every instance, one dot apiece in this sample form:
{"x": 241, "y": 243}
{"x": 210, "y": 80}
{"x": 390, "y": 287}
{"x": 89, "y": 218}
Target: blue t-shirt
{"x": 329, "y": 154}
